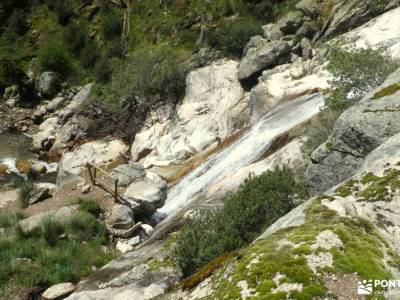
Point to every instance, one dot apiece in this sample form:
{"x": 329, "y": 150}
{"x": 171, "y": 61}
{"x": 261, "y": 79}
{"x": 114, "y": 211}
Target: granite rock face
{"x": 358, "y": 131}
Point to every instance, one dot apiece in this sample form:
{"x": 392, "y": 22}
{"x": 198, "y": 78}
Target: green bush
{"x": 270, "y": 11}
{"x": 52, "y": 56}
{"x": 74, "y": 38}
{"x": 355, "y": 73}
{"x": 111, "y": 25}
{"x": 10, "y": 72}
{"x": 232, "y": 36}
{"x": 153, "y": 73}
{"x": 10, "y": 219}
{"x": 51, "y": 230}
{"x": 25, "y": 192}
{"x": 259, "y": 202}
{"x": 53, "y": 259}
{"x": 88, "y": 205}
{"x": 89, "y": 54}
{"x": 83, "y": 227}
{"x": 17, "y": 22}
{"x": 114, "y": 49}
{"x": 63, "y": 9}
{"x": 103, "y": 70}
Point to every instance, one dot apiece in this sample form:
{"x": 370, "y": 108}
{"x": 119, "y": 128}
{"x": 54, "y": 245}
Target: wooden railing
{"x": 92, "y": 175}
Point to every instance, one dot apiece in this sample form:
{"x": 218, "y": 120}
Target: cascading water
{"x": 13, "y": 147}
{"x": 244, "y": 151}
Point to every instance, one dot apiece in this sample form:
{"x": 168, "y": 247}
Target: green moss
{"x": 346, "y": 189}
{"x": 156, "y": 264}
{"x": 302, "y": 249}
{"x": 329, "y": 145}
{"x": 379, "y": 187}
{"x": 361, "y": 253}
{"x": 387, "y": 91}
{"x": 384, "y": 110}
{"x": 369, "y": 177}
{"x": 207, "y": 270}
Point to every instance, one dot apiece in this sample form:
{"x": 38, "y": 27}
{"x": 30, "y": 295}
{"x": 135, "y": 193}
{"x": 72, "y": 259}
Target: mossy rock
{"x": 387, "y": 91}
{"x": 379, "y": 188}
{"x": 363, "y": 252}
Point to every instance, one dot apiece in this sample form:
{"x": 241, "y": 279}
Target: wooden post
{"x": 90, "y": 173}
{"x": 116, "y": 191}
{"x": 94, "y": 175}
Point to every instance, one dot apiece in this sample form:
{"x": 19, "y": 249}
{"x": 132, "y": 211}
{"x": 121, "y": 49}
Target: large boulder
{"x": 291, "y": 22}
{"x": 75, "y": 103}
{"x": 48, "y": 84}
{"x": 128, "y": 173}
{"x": 382, "y": 32}
{"x": 357, "y": 132}
{"x": 44, "y": 139}
{"x": 258, "y": 59}
{"x": 63, "y": 129}
{"x": 310, "y": 8}
{"x": 271, "y": 32}
{"x": 121, "y": 217}
{"x": 214, "y": 107}
{"x": 347, "y": 15}
{"x": 284, "y": 83}
{"x": 34, "y": 222}
{"x": 54, "y": 104}
{"x": 58, "y": 291}
{"x": 146, "y": 195}
{"x": 99, "y": 153}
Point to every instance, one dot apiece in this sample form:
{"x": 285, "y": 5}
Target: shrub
{"x": 88, "y": 205}
{"x": 260, "y": 201}
{"x": 52, "y": 56}
{"x": 53, "y": 260}
{"x": 232, "y": 36}
{"x": 10, "y": 219}
{"x": 63, "y": 9}
{"x": 103, "y": 70}
{"x": 25, "y": 192}
{"x": 115, "y": 49}
{"x": 270, "y": 11}
{"x": 17, "y": 22}
{"x": 51, "y": 230}
{"x": 89, "y": 54}
{"x": 83, "y": 226}
{"x": 152, "y": 76}
{"x": 10, "y": 72}
{"x": 111, "y": 25}
{"x": 153, "y": 73}
{"x": 356, "y": 72}
{"x": 74, "y": 38}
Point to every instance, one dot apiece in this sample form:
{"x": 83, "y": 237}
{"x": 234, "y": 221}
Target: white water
{"x": 244, "y": 151}
{"x": 14, "y": 147}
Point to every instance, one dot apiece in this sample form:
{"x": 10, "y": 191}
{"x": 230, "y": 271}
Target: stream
{"x": 243, "y": 152}
{"x": 14, "y": 147}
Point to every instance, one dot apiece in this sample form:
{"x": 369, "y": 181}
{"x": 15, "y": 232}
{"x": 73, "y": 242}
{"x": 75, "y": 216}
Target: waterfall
{"x": 244, "y": 151}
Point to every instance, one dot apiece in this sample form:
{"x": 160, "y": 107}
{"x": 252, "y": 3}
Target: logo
{"x": 365, "y": 287}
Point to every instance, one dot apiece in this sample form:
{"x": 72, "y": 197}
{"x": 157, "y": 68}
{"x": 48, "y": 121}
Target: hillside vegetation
{"x": 85, "y": 39}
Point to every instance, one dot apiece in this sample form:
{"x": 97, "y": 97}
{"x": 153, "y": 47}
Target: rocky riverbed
{"x": 238, "y": 119}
